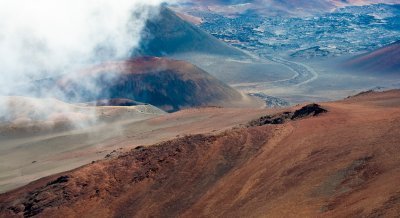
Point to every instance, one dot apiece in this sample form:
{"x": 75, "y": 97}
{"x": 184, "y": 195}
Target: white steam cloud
{"x": 43, "y": 38}
{"x": 51, "y": 36}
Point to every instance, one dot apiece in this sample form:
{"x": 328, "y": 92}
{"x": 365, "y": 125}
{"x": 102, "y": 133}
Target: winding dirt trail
{"x": 303, "y": 74}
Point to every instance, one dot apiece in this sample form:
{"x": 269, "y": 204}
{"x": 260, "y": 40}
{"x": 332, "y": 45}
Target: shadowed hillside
{"x": 168, "y": 34}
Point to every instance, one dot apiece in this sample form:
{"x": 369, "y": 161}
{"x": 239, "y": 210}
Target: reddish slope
{"x": 383, "y": 60}
{"x": 344, "y": 163}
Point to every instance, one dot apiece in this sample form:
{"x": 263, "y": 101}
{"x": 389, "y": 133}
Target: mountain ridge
{"x": 299, "y": 168}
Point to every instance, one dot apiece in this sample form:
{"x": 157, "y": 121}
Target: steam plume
{"x": 45, "y": 38}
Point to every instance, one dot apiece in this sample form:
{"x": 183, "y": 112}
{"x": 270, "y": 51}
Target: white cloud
{"x": 44, "y": 38}
{"x": 40, "y": 37}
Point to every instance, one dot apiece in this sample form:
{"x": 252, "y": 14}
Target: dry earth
{"x": 343, "y": 163}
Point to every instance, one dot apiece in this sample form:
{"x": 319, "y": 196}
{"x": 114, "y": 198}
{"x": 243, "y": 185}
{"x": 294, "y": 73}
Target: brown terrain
{"x": 336, "y": 159}
{"x": 36, "y": 148}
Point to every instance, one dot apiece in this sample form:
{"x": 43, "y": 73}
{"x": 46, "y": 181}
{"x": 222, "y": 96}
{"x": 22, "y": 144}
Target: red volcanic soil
{"x": 340, "y": 163}
{"x": 383, "y": 60}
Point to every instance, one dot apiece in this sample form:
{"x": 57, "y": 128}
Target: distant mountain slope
{"x": 296, "y": 3}
{"x": 281, "y": 7}
{"x": 168, "y": 34}
{"x": 309, "y": 5}
{"x": 383, "y": 60}
{"x": 222, "y": 2}
{"x": 266, "y": 7}
{"x": 167, "y": 84}
{"x": 362, "y": 2}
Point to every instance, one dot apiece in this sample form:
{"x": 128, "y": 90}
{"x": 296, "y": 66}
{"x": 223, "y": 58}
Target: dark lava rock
{"x": 308, "y": 110}
{"x": 61, "y": 179}
{"x": 274, "y": 119}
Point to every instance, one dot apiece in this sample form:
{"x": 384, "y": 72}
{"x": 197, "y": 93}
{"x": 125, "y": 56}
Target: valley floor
{"x": 292, "y": 80}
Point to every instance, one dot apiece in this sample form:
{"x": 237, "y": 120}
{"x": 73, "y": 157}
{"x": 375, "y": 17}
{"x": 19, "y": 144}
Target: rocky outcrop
{"x": 306, "y": 111}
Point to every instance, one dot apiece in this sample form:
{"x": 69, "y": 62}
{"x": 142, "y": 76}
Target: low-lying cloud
{"x": 45, "y": 38}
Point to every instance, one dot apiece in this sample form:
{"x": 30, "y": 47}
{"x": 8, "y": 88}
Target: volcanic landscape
{"x": 248, "y": 108}
{"x": 326, "y": 160}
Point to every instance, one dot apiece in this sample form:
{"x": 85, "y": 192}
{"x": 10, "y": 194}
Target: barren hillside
{"x": 339, "y": 163}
